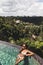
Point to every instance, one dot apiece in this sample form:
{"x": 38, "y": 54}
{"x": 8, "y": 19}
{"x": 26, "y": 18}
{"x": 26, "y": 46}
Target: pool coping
{"x": 38, "y": 58}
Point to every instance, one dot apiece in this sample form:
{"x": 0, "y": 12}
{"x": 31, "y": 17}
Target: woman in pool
{"x": 23, "y": 52}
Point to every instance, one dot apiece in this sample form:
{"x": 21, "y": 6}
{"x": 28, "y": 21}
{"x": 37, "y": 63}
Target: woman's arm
{"x": 29, "y": 53}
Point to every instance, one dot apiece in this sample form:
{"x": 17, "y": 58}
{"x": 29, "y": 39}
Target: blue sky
{"x": 21, "y": 7}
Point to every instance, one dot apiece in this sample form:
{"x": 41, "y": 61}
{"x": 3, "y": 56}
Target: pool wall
{"x": 39, "y": 59}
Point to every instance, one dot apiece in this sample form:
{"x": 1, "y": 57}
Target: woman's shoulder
{"x": 26, "y": 50}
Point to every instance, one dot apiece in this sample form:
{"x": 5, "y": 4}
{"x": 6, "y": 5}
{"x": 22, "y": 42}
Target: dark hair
{"x": 25, "y": 45}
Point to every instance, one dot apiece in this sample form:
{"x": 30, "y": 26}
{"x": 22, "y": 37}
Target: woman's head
{"x": 24, "y": 46}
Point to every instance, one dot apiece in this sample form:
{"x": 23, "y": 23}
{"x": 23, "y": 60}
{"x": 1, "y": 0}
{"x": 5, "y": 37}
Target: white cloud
{"x": 21, "y": 8}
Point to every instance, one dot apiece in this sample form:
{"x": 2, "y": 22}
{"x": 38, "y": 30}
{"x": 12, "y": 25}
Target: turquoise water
{"x": 8, "y": 56}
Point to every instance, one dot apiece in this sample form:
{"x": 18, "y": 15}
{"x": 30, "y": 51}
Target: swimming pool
{"x": 8, "y": 55}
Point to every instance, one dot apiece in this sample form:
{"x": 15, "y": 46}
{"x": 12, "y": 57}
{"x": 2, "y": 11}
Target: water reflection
{"x": 26, "y": 60}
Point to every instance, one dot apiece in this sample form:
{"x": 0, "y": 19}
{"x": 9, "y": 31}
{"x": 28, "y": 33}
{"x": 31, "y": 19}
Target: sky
{"x": 21, "y": 7}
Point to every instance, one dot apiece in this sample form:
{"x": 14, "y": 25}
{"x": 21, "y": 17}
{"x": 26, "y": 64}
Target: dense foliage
{"x": 17, "y": 31}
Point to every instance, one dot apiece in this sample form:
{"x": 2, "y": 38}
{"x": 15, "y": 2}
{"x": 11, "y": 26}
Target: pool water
{"x": 8, "y": 56}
